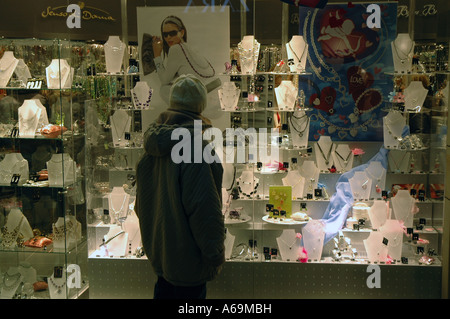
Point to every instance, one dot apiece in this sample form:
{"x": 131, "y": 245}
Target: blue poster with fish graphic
{"x": 351, "y": 66}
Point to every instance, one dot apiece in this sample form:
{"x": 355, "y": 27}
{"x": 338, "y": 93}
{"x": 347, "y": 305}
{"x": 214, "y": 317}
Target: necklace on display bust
{"x": 140, "y": 104}
{"x": 9, "y": 237}
{"x": 299, "y": 60}
{"x": 406, "y": 55}
{"x": 8, "y": 285}
{"x": 327, "y": 157}
{"x": 306, "y": 121}
{"x": 58, "y": 287}
{"x": 342, "y": 159}
{"x": 291, "y": 245}
{"x": 119, "y": 137}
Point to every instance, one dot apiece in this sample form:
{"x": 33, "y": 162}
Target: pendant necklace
{"x": 397, "y": 164}
{"x": 299, "y": 66}
{"x": 378, "y": 180}
{"x": 14, "y": 284}
{"x": 342, "y": 159}
{"x": 115, "y": 128}
{"x": 300, "y": 131}
{"x": 58, "y": 287}
{"x": 327, "y": 158}
{"x": 290, "y": 246}
{"x": 402, "y": 61}
{"x": 121, "y": 208}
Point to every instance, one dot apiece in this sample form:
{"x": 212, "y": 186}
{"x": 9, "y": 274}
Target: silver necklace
{"x": 290, "y": 246}
{"x": 402, "y": 61}
{"x": 302, "y": 131}
{"x": 115, "y": 128}
{"x": 12, "y": 286}
{"x": 327, "y": 158}
{"x": 342, "y": 159}
{"x": 295, "y": 54}
{"x": 121, "y": 208}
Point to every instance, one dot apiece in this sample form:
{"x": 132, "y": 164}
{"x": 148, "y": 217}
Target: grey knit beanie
{"x": 188, "y": 94}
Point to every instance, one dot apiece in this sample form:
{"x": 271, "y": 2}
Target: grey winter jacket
{"x": 179, "y": 207}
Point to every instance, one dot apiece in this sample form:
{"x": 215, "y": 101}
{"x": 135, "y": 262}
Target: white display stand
{"x": 297, "y": 52}
{"x": 59, "y": 74}
{"x": 402, "y": 53}
{"x": 376, "y": 250}
{"x": 377, "y": 173}
{"x": 141, "y": 95}
{"x": 22, "y": 72}
{"x": 415, "y": 95}
{"x": 248, "y": 54}
{"x": 114, "y": 52}
{"x": 118, "y": 204}
{"x": 120, "y": 124}
{"x": 286, "y": 94}
{"x": 12, "y": 279}
{"x": 67, "y": 232}
{"x": 313, "y": 237}
{"x": 323, "y": 150}
{"x": 311, "y": 173}
{"x": 57, "y": 287}
{"x": 28, "y": 273}
{"x": 61, "y": 170}
{"x": 16, "y": 223}
{"x": 116, "y": 242}
{"x": 43, "y": 119}
{"x": 392, "y": 230}
{"x": 403, "y": 204}
{"x": 379, "y": 213}
{"x": 296, "y": 181}
{"x": 229, "y": 95}
{"x": 393, "y": 125}
{"x": 398, "y": 161}
{"x": 14, "y": 163}
{"x": 8, "y": 64}
{"x": 30, "y": 115}
{"x": 343, "y": 158}
{"x": 299, "y": 125}
{"x": 289, "y": 245}
{"x": 361, "y": 186}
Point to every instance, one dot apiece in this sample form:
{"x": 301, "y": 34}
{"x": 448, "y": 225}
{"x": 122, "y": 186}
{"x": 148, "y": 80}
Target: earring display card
{"x": 281, "y": 198}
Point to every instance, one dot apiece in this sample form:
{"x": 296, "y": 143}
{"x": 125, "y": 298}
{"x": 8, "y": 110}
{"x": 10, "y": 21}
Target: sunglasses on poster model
{"x": 170, "y": 33}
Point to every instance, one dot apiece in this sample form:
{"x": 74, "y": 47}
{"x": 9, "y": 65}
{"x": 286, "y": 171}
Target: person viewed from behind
{"x": 179, "y": 205}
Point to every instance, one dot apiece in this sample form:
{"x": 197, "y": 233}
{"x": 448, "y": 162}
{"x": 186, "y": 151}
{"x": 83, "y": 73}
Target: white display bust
{"x": 313, "y": 237}
{"x": 14, "y": 163}
{"x": 248, "y": 54}
{"x": 29, "y": 118}
{"x": 297, "y": 52}
{"x": 402, "y": 53}
{"x": 118, "y": 201}
{"x": 378, "y": 213}
{"x": 43, "y": 119}
{"x": 375, "y": 249}
{"x": 22, "y": 72}
{"x": 403, "y": 204}
{"x": 415, "y": 95}
{"x": 114, "y": 52}
{"x": 16, "y": 221}
{"x": 59, "y": 74}
{"x": 8, "y": 64}
{"x": 393, "y": 125}
{"x": 360, "y": 185}
{"x": 229, "y": 95}
{"x": 297, "y": 181}
{"x": 399, "y": 161}
{"x": 286, "y": 94}
{"x": 311, "y": 173}
{"x": 57, "y": 287}
{"x": 12, "y": 279}
{"x": 120, "y": 124}
{"x": 323, "y": 150}
{"x": 392, "y": 230}
{"x": 377, "y": 173}
{"x": 61, "y": 170}
{"x": 289, "y": 245}
{"x": 299, "y": 127}
{"x": 141, "y": 95}
{"x": 343, "y": 157}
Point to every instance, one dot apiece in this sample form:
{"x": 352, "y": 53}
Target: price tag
{"x": 404, "y": 260}
{"x": 15, "y": 179}
{"x": 385, "y": 241}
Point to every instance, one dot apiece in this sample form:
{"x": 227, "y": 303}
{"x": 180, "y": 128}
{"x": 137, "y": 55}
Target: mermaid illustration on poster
{"x": 349, "y": 63}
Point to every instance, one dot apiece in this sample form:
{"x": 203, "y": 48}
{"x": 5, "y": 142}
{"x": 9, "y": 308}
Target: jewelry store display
{"x": 8, "y": 64}
{"x": 114, "y": 52}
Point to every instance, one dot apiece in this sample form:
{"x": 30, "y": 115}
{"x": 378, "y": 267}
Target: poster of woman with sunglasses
{"x": 189, "y": 41}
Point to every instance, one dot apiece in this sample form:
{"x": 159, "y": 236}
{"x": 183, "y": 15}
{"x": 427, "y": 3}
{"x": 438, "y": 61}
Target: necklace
{"x": 327, "y": 158}
{"x": 342, "y": 159}
{"x": 203, "y": 76}
{"x": 397, "y": 164}
{"x": 58, "y": 287}
{"x": 9, "y": 237}
{"x": 407, "y": 57}
{"x": 238, "y": 182}
{"x": 378, "y": 180}
{"x": 116, "y": 213}
{"x": 300, "y": 131}
{"x": 299, "y": 66}
{"x": 14, "y": 284}
{"x": 290, "y": 246}
{"x": 138, "y": 103}
{"x": 119, "y": 137}
{"x": 395, "y": 137}
{"x": 59, "y": 232}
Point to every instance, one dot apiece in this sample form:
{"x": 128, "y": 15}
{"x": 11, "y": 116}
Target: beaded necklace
{"x": 203, "y": 76}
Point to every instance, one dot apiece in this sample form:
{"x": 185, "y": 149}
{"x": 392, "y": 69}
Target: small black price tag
{"x": 266, "y": 250}
{"x": 385, "y": 241}
{"x": 15, "y": 179}
{"x": 137, "y": 120}
{"x": 420, "y": 250}
{"x": 318, "y": 192}
{"x": 355, "y": 226}
{"x": 422, "y": 221}
{"x": 309, "y": 196}
{"x": 415, "y": 236}
{"x": 274, "y": 251}
{"x": 404, "y": 260}
{"x": 409, "y": 231}
{"x": 127, "y": 136}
